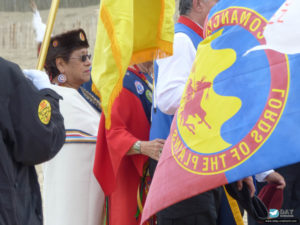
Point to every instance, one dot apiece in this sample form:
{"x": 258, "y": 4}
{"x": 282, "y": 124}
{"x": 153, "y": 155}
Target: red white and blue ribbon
{"x": 78, "y": 136}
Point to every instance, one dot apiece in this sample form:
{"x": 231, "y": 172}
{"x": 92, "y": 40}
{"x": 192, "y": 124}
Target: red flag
{"x": 166, "y": 182}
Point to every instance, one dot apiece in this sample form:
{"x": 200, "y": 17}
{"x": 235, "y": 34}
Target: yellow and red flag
{"x": 129, "y": 32}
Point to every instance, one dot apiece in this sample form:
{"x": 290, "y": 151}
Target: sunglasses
{"x": 83, "y": 58}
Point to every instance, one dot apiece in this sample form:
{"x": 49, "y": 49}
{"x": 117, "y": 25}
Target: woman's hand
{"x": 152, "y": 148}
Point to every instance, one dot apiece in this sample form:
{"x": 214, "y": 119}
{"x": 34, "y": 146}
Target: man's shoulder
{"x": 133, "y": 83}
{"x": 10, "y": 72}
{"x": 9, "y": 68}
{"x": 181, "y": 34}
{"x": 183, "y": 37}
{"x": 7, "y": 64}
{"x": 182, "y": 43}
{"x": 186, "y": 34}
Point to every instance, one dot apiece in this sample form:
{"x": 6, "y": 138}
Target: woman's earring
{"x": 61, "y": 78}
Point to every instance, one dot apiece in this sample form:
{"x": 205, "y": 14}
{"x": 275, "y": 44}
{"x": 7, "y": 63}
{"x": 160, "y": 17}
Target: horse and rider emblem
{"x": 203, "y": 110}
{"x": 192, "y": 100}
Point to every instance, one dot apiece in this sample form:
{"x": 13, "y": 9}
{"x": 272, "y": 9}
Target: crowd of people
{"x": 93, "y": 175}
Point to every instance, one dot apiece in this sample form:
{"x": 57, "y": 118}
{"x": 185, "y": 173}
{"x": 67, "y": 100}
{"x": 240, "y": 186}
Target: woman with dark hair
{"x": 72, "y": 195}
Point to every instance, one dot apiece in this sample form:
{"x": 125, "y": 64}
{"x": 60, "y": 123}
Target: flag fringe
{"x": 96, "y": 91}
{"x": 163, "y": 50}
{"x": 107, "y": 22}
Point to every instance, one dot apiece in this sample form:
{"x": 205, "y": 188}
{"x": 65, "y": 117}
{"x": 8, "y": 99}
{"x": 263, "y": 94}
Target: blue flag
{"x": 263, "y": 132}
{"x": 239, "y": 114}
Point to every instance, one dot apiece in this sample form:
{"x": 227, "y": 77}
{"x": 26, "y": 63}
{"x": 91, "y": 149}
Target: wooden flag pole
{"x": 47, "y": 36}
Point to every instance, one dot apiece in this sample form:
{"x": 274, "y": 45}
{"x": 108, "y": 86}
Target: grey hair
{"x": 185, "y": 6}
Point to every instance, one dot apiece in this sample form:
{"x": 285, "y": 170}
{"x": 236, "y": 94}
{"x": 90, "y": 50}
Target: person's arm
{"x": 38, "y": 126}
{"x": 152, "y": 148}
{"x": 173, "y": 74}
{"x": 271, "y": 176}
{"x": 127, "y": 128}
{"x": 260, "y": 177}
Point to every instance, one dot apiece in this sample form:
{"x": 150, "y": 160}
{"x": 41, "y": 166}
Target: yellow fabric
{"x": 129, "y": 32}
{"x": 234, "y": 209}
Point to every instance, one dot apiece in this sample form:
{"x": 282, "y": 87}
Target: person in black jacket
{"x": 32, "y": 132}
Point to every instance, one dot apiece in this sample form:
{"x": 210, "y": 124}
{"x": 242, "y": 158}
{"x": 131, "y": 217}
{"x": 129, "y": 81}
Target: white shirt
{"x": 72, "y": 195}
{"x": 262, "y": 176}
{"x": 173, "y": 74}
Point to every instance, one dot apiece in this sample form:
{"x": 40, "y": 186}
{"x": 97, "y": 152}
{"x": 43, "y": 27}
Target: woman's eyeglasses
{"x": 83, "y": 58}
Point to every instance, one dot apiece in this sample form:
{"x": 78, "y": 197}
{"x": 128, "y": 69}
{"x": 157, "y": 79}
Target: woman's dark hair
{"x": 62, "y": 46}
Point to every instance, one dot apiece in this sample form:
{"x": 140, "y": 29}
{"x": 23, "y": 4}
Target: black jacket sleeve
{"x": 37, "y": 124}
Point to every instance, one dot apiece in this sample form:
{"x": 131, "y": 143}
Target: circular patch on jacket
{"x": 139, "y": 87}
{"x": 44, "y": 111}
{"x": 149, "y": 95}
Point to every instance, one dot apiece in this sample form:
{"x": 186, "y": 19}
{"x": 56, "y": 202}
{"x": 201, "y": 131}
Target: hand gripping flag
{"x": 129, "y": 32}
{"x": 239, "y": 115}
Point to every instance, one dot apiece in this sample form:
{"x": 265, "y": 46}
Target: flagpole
{"x": 47, "y": 36}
